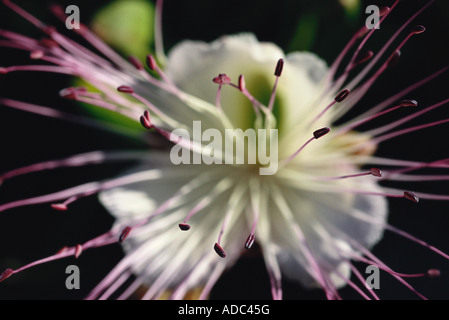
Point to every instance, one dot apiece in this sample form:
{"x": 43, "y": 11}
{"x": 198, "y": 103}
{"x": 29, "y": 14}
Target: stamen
{"x": 256, "y": 207}
{"x": 315, "y": 269}
{"x": 398, "y": 95}
{"x": 274, "y": 273}
{"x": 124, "y": 264}
{"x": 257, "y": 105}
{"x": 219, "y": 250}
{"x": 406, "y": 194}
{"x": 69, "y": 93}
{"x": 36, "y": 54}
{"x": 336, "y": 64}
{"x": 418, "y": 178}
{"x": 406, "y": 235}
{"x": 149, "y": 105}
{"x": 73, "y": 91}
{"x": 84, "y": 190}
{"x": 136, "y": 63}
{"x": 408, "y": 103}
{"x": 362, "y": 279}
{"x": 385, "y": 12}
{"x": 418, "y": 29}
{"x": 48, "y": 43}
{"x": 59, "y": 206}
{"x": 40, "y": 68}
{"x": 376, "y": 172}
{"x": 192, "y": 185}
{"x": 403, "y": 103}
{"x": 58, "y": 11}
{"x": 321, "y": 132}
{"x": 411, "y": 196}
{"x": 431, "y": 196}
{"x": 397, "y": 123}
{"x": 362, "y": 57}
{"x": 101, "y": 101}
{"x": 100, "y": 241}
{"x": 429, "y": 273}
{"x": 221, "y": 79}
{"x": 250, "y": 241}
{"x": 125, "y": 89}
{"x": 342, "y": 95}
{"x": 62, "y": 250}
{"x": 242, "y": 84}
{"x": 234, "y": 201}
{"x": 362, "y": 74}
{"x": 84, "y": 159}
{"x": 433, "y": 273}
{"x": 277, "y": 73}
{"x": 373, "y": 171}
{"x": 416, "y": 166}
{"x": 316, "y": 135}
{"x": 94, "y": 40}
{"x": 63, "y": 206}
{"x": 393, "y": 60}
{"x": 145, "y": 120}
{"x": 352, "y": 284}
{"x": 6, "y": 274}
{"x": 203, "y": 203}
{"x": 116, "y": 285}
{"x": 152, "y": 64}
{"x": 398, "y": 133}
{"x": 376, "y": 261}
{"x": 279, "y": 67}
{"x": 78, "y": 251}
{"x": 124, "y": 234}
{"x": 184, "y": 226}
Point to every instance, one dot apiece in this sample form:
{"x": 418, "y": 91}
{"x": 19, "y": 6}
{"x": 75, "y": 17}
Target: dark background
{"x": 30, "y": 233}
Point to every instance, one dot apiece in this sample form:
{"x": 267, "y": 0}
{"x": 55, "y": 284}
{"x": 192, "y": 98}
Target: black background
{"x": 27, "y": 234}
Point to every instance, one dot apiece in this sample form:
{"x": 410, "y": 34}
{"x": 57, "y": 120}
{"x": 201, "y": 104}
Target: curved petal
{"x": 161, "y": 255}
{"x": 193, "y": 64}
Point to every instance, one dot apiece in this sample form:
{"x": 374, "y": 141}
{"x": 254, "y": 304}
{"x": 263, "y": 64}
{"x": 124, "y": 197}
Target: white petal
{"x": 159, "y": 252}
{"x": 193, "y": 64}
{"x": 300, "y": 86}
{"x": 139, "y": 199}
{"x": 324, "y": 218}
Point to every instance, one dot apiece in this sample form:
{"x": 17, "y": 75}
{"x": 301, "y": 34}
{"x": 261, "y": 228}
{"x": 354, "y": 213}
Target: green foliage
{"x": 127, "y": 25}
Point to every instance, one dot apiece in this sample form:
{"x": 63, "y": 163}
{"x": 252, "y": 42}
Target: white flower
{"x": 319, "y": 210}
{"x": 291, "y": 210}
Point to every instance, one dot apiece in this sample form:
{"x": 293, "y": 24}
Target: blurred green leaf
{"x": 305, "y": 34}
{"x": 352, "y": 9}
{"x": 127, "y": 25}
